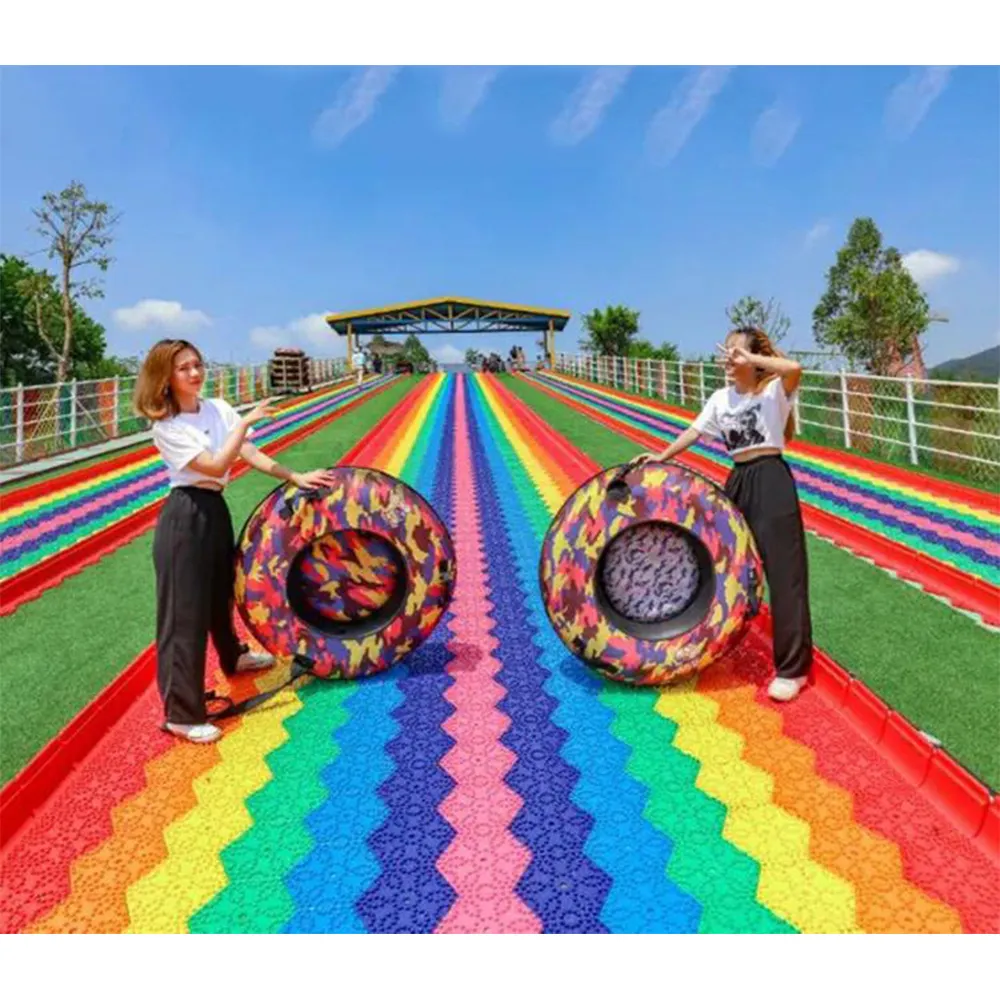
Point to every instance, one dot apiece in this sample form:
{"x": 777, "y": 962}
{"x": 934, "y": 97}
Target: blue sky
{"x": 256, "y": 199}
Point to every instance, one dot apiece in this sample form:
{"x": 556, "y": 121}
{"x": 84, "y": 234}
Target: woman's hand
{"x": 736, "y": 355}
{"x": 314, "y": 480}
{"x": 647, "y": 456}
{"x": 789, "y": 369}
{"x": 263, "y": 409}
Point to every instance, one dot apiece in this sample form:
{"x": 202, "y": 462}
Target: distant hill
{"x": 981, "y": 367}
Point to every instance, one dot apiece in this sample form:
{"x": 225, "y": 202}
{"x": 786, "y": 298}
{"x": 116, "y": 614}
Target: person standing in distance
{"x": 193, "y": 545}
{"x": 358, "y": 359}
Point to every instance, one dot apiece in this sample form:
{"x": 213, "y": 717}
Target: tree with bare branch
{"x": 769, "y": 317}
{"x": 78, "y": 233}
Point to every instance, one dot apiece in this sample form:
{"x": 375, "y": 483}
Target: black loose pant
{"x": 194, "y": 557}
{"x": 764, "y": 492}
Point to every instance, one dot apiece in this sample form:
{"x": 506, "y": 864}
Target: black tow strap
{"x": 618, "y": 489}
{"x": 754, "y": 596}
{"x": 302, "y": 666}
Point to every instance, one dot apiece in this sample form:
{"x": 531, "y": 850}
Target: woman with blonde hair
{"x": 193, "y": 545}
{"x": 753, "y": 417}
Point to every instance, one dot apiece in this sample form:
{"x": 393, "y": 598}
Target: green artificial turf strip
{"x": 62, "y": 649}
{"x": 926, "y": 660}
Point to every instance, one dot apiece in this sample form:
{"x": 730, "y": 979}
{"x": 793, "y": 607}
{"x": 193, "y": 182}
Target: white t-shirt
{"x": 743, "y": 421}
{"x": 184, "y": 437}
{"x": 359, "y": 359}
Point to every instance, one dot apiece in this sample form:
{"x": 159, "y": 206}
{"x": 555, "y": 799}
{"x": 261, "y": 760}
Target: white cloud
{"x": 773, "y": 134}
{"x": 463, "y": 89}
{"x": 269, "y": 337}
{"x": 820, "y": 230}
{"x": 928, "y": 265}
{"x": 587, "y": 105}
{"x": 308, "y": 332}
{"x": 912, "y": 99}
{"x": 673, "y": 124}
{"x": 355, "y": 104}
{"x": 448, "y": 355}
{"x": 161, "y": 314}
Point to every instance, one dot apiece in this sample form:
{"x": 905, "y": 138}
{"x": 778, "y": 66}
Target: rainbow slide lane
{"x": 945, "y": 538}
{"x": 56, "y": 526}
{"x": 492, "y": 782}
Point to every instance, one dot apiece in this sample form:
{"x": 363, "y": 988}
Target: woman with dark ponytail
{"x": 753, "y": 417}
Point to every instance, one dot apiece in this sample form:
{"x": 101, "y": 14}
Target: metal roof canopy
{"x": 449, "y": 315}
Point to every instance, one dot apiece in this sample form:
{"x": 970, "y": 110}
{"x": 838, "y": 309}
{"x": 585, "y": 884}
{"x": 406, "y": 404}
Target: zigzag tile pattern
{"x": 492, "y": 782}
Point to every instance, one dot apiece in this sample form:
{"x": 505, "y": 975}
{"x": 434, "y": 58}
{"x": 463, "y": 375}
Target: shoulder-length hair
{"x": 153, "y": 397}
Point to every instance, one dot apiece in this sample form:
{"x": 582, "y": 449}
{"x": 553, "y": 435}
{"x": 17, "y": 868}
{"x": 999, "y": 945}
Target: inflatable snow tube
{"x": 650, "y": 573}
{"x": 349, "y": 579}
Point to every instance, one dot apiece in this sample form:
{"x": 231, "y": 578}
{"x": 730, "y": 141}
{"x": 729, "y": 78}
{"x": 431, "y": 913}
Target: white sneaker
{"x": 254, "y": 661}
{"x": 786, "y": 688}
{"x": 204, "y": 733}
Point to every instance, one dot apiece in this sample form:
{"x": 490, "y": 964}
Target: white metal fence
{"x": 948, "y": 427}
{"x": 41, "y": 420}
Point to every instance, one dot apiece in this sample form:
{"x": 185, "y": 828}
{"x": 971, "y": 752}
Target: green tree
{"x": 78, "y": 232}
{"x": 23, "y": 355}
{"x": 472, "y": 357}
{"x": 610, "y": 331}
{"x": 769, "y": 317}
{"x": 873, "y": 311}
{"x": 644, "y": 349}
{"x": 415, "y": 352}
{"x": 30, "y": 310}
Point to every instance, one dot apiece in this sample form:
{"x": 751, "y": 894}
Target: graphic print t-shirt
{"x": 743, "y": 421}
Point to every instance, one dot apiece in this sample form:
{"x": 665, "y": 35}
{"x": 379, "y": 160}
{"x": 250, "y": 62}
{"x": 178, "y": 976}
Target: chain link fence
{"x": 39, "y": 421}
{"x": 949, "y": 428}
